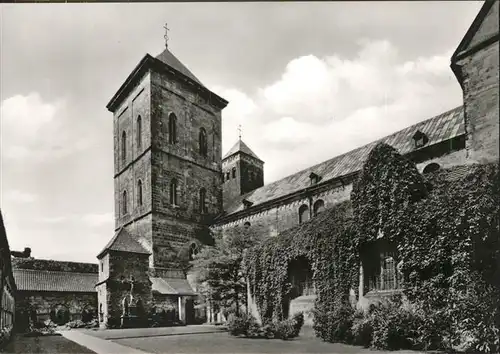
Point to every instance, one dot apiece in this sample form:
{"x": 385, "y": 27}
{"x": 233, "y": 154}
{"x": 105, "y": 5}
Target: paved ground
{"x": 223, "y": 343}
{"x": 45, "y": 344}
{"x": 153, "y": 332}
{"x": 98, "y": 345}
{"x": 201, "y": 339}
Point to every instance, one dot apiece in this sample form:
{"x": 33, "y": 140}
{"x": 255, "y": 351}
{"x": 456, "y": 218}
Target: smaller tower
{"x": 124, "y": 288}
{"x": 242, "y": 171}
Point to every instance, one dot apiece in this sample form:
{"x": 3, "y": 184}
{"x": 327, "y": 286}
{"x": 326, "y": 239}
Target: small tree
{"x": 220, "y": 267}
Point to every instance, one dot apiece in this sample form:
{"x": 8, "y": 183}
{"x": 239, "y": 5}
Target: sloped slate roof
{"x": 43, "y": 280}
{"x": 240, "y": 146}
{"x": 443, "y": 127}
{"x": 171, "y": 286}
{"x": 476, "y": 25}
{"x": 168, "y": 58}
{"x": 124, "y": 242}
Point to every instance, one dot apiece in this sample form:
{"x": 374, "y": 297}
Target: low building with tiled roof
{"x": 58, "y": 290}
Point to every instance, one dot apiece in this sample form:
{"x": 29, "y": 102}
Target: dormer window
{"x": 420, "y": 139}
{"x": 314, "y": 178}
{"x": 246, "y": 203}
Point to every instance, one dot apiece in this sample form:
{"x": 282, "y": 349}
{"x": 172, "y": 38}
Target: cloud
{"x": 322, "y": 107}
{"x": 99, "y": 219}
{"x": 85, "y": 220}
{"x": 52, "y": 219}
{"x": 20, "y": 197}
{"x": 34, "y": 129}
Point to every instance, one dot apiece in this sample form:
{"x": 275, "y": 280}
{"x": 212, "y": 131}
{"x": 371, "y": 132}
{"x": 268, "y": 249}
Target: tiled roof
{"x": 443, "y": 127}
{"x": 240, "y": 146}
{"x": 43, "y": 280}
{"x": 168, "y": 58}
{"x": 171, "y": 286}
{"x": 124, "y": 242}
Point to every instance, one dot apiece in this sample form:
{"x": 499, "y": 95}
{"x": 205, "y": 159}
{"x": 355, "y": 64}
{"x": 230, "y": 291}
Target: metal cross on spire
{"x": 166, "y": 34}
{"x": 239, "y": 131}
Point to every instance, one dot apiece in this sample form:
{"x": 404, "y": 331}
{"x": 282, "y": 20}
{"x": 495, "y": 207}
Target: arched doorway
{"x": 60, "y": 314}
{"x": 89, "y": 313}
{"x": 300, "y": 276}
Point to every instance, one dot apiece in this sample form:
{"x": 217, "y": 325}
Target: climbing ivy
{"x": 445, "y": 227}
{"x": 386, "y": 187}
{"x": 325, "y": 242}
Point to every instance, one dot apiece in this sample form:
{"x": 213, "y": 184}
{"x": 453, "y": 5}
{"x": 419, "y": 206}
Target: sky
{"x": 306, "y": 81}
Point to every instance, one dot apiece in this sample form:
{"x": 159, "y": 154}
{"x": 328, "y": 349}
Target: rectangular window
{"x": 234, "y": 173}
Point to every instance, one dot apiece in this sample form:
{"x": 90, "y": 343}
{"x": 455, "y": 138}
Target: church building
{"x": 173, "y": 188}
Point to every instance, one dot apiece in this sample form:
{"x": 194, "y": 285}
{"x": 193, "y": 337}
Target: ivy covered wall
{"x": 446, "y": 233}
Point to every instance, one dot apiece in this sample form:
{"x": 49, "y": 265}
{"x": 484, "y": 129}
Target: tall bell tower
{"x": 167, "y": 158}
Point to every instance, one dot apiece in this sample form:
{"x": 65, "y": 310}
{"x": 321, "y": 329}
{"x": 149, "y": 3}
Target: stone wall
{"x": 175, "y": 225}
{"x": 480, "y": 72}
{"x": 249, "y": 175}
{"x": 284, "y": 215}
{"x": 477, "y": 71}
{"x": 125, "y": 120}
{"x": 44, "y": 302}
{"x": 123, "y": 266}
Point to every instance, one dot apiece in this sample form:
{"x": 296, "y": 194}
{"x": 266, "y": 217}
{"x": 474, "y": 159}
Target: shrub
{"x": 335, "y": 325}
{"x": 5, "y": 335}
{"x": 246, "y": 325}
{"x": 76, "y": 324}
{"x": 393, "y": 328}
{"x": 284, "y": 330}
{"x": 240, "y": 325}
{"x": 297, "y": 323}
{"x": 94, "y": 323}
{"x": 268, "y": 331}
{"x": 362, "y": 329}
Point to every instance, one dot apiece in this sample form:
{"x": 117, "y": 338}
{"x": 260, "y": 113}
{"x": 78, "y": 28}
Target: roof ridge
{"x": 363, "y": 146}
{"x": 53, "y": 271}
{"x": 54, "y": 260}
{"x": 340, "y": 156}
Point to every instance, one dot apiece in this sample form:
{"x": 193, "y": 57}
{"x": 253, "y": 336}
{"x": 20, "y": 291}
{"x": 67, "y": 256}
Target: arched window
{"x": 139, "y": 192}
{"x": 234, "y": 172}
{"x": 202, "y": 141}
{"x": 203, "y": 200}
{"x": 193, "y": 251}
{"x": 319, "y": 206}
{"x": 303, "y": 213}
{"x": 124, "y": 146}
{"x": 228, "y": 176}
{"x": 138, "y": 132}
{"x": 432, "y": 167}
{"x": 124, "y": 203}
{"x": 387, "y": 275}
{"x": 172, "y": 128}
{"x": 173, "y": 192}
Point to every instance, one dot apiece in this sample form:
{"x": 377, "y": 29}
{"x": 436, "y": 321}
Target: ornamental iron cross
{"x": 239, "y": 131}
{"x": 166, "y": 34}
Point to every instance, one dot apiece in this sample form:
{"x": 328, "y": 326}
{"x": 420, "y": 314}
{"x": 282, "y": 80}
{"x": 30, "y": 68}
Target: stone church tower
{"x": 242, "y": 170}
{"x": 167, "y": 159}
